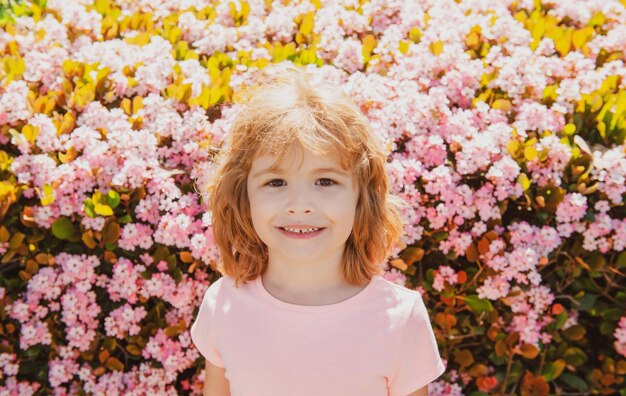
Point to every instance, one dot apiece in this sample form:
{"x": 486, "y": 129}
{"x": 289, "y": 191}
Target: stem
{"x": 506, "y": 376}
{"x": 603, "y": 292}
{"x": 543, "y": 358}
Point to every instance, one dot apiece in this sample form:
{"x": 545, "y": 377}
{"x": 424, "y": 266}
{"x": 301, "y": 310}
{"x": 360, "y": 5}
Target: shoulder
{"x": 223, "y": 288}
{"x": 399, "y": 293}
{"x": 217, "y": 289}
{"x": 399, "y": 300}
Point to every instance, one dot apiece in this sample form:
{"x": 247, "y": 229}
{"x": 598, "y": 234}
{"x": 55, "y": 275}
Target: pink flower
{"x": 444, "y": 274}
{"x": 395, "y": 276}
{"x": 572, "y": 208}
{"x": 350, "y": 56}
{"x": 124, "y": 321}
{"x": 13, "y": 105}
{"x": 620, "y": 337}
{"x": 125, "y": 281}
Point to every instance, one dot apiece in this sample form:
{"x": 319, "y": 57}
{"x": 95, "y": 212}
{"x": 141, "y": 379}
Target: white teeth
{"x": 301, "y": 231}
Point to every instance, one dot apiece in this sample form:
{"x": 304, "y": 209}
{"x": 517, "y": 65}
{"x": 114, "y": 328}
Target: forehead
{"x": 296, "y": 158}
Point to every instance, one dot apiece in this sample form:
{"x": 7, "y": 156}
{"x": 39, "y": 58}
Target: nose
{"x": 300, "y": 201}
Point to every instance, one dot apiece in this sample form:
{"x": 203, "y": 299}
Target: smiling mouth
{"x": 302, "y": 233}
{"x": 305, "y": 230}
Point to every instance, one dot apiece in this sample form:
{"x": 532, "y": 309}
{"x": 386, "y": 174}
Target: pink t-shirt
{"x": 376, "y": 343}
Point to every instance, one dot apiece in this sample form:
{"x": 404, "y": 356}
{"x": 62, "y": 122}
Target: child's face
{"x": 302, "y": 196}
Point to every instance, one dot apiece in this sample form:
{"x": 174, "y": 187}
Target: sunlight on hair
{"x": 287, "y": 109}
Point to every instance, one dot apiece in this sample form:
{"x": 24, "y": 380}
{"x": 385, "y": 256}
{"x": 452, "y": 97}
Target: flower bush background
{"x": 504, "y": 122}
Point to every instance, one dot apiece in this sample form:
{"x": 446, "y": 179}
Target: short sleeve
{"x": 203, "y": 328}
{"x": 418, "y": 362}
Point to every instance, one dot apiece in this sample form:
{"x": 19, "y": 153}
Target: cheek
{"x": 261, "y": 207}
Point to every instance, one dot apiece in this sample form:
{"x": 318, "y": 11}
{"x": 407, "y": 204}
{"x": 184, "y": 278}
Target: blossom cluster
{"x": 483, "y": 111}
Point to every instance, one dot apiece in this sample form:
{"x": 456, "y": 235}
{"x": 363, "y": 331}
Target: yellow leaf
{"x": 6, "y": 188}
{"x": 369, "y": 43}
{"x": 126, "y": 106}
{"x": 595, "y": 102}
{"x": 579, "y": 38}
{"x": 521, "y": 16}
{"x": 530, "y": 153}
{"x": 523, "y": 180}
{"x": 472, "y": 40}
{"x": 602, "y": 129}
{"x": 68, "y": 156}
{"x": 67, "y": 124}
{"x": 415, "y": 34}
{"x": 549, "y": 92}
{"x": 403, "y": 46}
{"x": 30, "y": 132}
{"x": 103, "y": 210}
{"x": 502, "y": 104}
{"x": 5, "y": 160}
{"x": 306, "y": 27}
{"x": 137, "y": 103}
{"x": 69, "y": 66}
{"x": 569, "y": 129}
{"x": 597, "y": 19}
{"x": 538, "y": 29}
{"x": 436, "y": 47}
{"x": 512, "y": 147}
{"x": 97, "y": 197}
{"x": 174, "y": 34}
{"x": 48, "y": 195}
{"x": 50, "y": 104}
{"x": 563, "y": 43}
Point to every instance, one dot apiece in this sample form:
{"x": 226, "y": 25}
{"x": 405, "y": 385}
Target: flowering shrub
{"x": 504, "y": 122}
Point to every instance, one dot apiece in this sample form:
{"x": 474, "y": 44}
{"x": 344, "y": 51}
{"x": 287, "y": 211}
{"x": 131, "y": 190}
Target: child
{"x": 303, "y": 217}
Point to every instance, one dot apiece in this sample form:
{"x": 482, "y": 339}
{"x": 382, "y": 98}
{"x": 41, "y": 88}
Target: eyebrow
{"x": 316, "y": 171}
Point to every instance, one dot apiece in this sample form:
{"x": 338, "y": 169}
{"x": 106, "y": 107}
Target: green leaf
{"x": 109, "y": 343}
{"x": 574, "y": 381}
{"x": 113, "y": 199}
{"x": 621, "y": 260}
{"x": 110, "y": 246}
{"x": 612, "y": 314}
{"x": 553, "y": 370}
{"x": 607, "y": 328}
{"x": 88, "y": 207}
{"x": 587, "y": 301}
{"x": 439, "y": 236}
{"x": 125, "y": 219}
{"x": 574, "y": 356}
{"x": 477, "y": 304}
{"x": 63, "y": 228}
{"x": 560, "y": 320}
{"x": 33, "y": 351}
